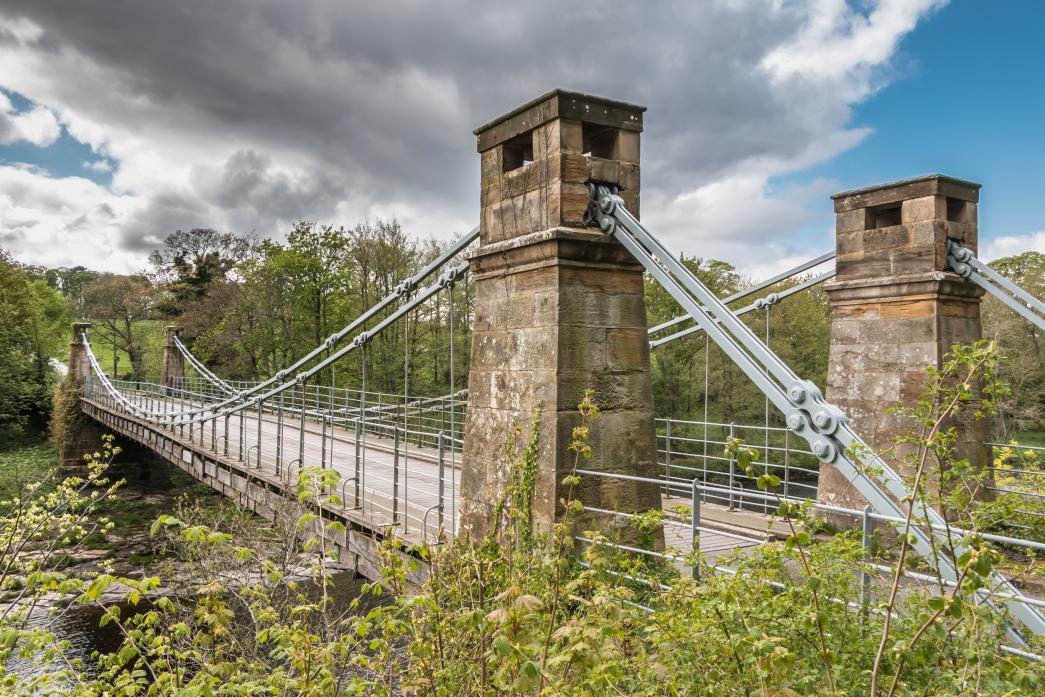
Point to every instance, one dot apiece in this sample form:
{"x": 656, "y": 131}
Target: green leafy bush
{"x": 526, "y": 611}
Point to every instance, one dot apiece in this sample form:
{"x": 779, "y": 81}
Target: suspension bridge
{"x": 558, "y": 264}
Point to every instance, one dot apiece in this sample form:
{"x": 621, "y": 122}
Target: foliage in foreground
{"x": 525, "y": 613}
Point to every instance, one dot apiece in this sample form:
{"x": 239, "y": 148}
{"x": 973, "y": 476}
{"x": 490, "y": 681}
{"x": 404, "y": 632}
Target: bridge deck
{"x": 403, "y": 491}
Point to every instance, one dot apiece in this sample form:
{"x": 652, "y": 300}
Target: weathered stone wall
{"x": 896, "y": 312}
{"x": 562, "y": 313}
{"x": 559, "y": 309}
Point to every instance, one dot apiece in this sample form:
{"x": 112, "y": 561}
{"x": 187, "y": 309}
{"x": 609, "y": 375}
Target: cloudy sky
{"x": 121, "y": 122}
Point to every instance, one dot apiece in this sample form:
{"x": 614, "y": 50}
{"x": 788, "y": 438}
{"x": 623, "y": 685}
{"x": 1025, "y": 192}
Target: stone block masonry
{"x": 559, "y": 309}
{"x": 896, "y": 311}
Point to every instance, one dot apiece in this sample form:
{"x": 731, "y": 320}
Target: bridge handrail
{"x": 686, "y": 485}
{"x": 382, "y": 413}
{"x": 1017, "y": 446}
{"x": 378, "y": 421}
{"x": 418, "y": 404}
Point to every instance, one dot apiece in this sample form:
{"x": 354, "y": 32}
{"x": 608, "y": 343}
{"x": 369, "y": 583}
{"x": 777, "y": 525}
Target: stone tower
{"x": 75, "y": 434}
{"x": 559, "y": 309}
{"x": 896, "y": 311}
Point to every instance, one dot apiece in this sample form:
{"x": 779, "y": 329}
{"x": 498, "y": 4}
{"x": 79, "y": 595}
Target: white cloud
{"x": 1009, "y": 245}
{"x": 248, "y": 115}
{"x": 38, "y": 125}
{"x": 98, "y": 165}
{"x": 741, "y": 220}
{"x": 67, "y": 221}
{"x": 839, "y": 43}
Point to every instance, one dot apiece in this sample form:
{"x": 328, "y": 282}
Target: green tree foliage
{"x": 71, "y": 282}
{"x": 288, "y": 298}
{"x": 116, "y": 305}
{"x": 32, "y": 330}
{"x": 190, "y": 264}
{"x": 1022, "y": 345}
{"x": 798, "y": 330}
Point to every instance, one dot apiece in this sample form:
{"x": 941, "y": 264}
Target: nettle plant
{"x": 531, "y": 612}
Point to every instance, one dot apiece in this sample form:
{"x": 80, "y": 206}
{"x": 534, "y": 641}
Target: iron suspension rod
{"x": 753, "y": 289}
{"x": 748, "y": 308}
{"x": 388, "y": 300}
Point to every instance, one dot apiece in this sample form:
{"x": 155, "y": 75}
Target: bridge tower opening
{"x": 559, "y": 309}
{"x": 897, "y": 310}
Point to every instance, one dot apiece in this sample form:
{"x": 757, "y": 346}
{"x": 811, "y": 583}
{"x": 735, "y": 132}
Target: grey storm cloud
{"x": 167, "y": 210}
{"x": 247, "y": 182}
{"x": 376, "y": 101}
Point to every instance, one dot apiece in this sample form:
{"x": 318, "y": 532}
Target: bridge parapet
{"x": 897, "y": 310}
{"x": 559, "y": 308}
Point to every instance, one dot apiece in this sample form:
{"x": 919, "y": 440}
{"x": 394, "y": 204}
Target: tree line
{"x": 249, "y": 308}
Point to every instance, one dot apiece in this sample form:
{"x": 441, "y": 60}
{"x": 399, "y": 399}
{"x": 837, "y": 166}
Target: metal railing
{"x": 385, "y": 476}
{"x": 687, "y": 527}
{"x": 690, "y": 449}
{"x": 1020, "y": 475}
{"x": 419, "y": 417}
{"x": 695, "y": 450}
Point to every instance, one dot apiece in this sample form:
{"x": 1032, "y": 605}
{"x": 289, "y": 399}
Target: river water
{"x": 149, "y": 490}
{"x": 79, "y": 625}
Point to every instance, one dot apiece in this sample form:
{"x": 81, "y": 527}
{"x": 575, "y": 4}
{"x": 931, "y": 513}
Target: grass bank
{"x": 25, "y": 457}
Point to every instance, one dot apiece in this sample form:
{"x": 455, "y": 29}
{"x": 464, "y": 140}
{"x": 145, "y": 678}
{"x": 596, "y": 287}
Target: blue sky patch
{"x": 66, "y": 157}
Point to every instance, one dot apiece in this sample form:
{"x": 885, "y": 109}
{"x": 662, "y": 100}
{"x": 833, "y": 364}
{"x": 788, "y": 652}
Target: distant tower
{"x": 173, "y": 369}
{"x": 73, "y": 433}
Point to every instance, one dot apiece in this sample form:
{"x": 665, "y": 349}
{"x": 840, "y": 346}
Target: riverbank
{"x": 150, "y": 489}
